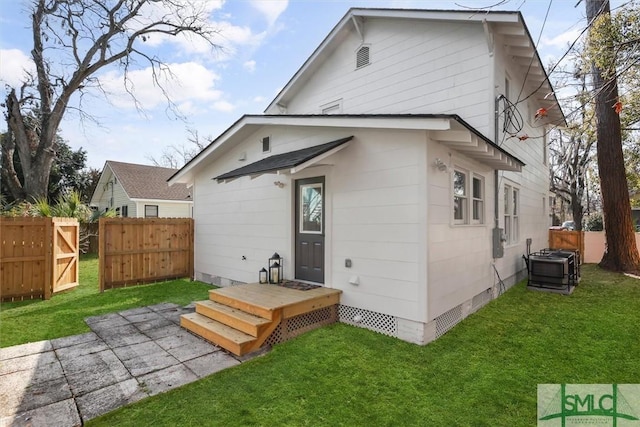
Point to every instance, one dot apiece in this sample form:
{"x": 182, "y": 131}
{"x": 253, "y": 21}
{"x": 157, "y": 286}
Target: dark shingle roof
{"x": 283, "y": 161}
{"x": 148, "y": 182}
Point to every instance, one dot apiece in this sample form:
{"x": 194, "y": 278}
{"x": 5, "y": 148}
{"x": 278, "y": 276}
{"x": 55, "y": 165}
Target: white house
{"x": 141, "y": 191}
{"x": 404, "y": 163}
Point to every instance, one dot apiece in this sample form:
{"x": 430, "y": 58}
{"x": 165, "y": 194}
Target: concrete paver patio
{"x": 126, "y": 357}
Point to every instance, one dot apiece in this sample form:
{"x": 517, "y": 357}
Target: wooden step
{"x": 235, "y": 341}
{"x": 236, "y": 318}
{"x": 235, "y": 302}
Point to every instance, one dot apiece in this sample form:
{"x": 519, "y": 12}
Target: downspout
{"x": 496, "y": 178}
{"x": 498, "y": 233}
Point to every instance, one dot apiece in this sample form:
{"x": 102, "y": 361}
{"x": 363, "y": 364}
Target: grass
{"x": 484, "y": 372}
{"x": 64, "y": 314}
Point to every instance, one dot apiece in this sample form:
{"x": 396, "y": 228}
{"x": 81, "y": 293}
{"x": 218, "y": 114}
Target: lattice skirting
{"x": 388, "y": 325}
{"x": 378, "y": 322}
{"x": 448, "y": 320}
{"x": 298, "y": 325}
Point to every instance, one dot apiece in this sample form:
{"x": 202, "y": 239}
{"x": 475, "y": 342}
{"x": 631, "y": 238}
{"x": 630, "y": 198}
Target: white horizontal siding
{"x": 416, "y": 67}
{"x": 376, "y": 198}
{"x": 459, "y": 256}
{"x": 533, "y": 181}
{"x": 374, "y": 193}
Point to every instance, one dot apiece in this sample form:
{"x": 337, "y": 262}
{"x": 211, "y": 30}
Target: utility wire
{"x": 524, "y": 81}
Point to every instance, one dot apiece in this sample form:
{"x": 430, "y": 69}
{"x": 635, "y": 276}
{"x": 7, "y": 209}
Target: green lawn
{"x": 484, "y": 372}
{"x": 64, "y": 314}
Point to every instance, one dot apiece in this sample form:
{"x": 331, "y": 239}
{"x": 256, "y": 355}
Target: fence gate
{"x": 66, "y": 238}
{"x": 38, "y": 257}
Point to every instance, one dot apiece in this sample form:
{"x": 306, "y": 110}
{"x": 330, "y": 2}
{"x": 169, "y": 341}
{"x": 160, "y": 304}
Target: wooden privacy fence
{"x": 564, "y": 239}
{"x": 143, "y": 250}
{"x": 38, "y": 257}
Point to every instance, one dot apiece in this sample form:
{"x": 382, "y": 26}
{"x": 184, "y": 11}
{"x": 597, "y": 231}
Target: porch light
{"x": 275, "y": 268}
{"x": 263, "y": 275}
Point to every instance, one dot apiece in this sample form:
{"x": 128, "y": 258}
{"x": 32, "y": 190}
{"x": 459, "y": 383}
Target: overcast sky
{"x": 264, "y": 43}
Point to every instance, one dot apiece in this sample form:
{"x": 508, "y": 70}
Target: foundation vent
{"x": 448, "y": 320}
{"x": 378, "y": 322}
{"x": 480, "y": 300}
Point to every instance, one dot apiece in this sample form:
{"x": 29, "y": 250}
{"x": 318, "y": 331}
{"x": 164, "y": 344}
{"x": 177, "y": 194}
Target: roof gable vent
{"x": 362, "y": 57}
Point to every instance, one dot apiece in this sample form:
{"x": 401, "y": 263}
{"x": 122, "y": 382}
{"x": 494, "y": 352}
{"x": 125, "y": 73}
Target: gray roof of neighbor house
{"x": 148, "y": 182}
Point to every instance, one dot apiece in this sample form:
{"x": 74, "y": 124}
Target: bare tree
{"x": 176, "y": 156}
{"x": 571, "y": 153}
{"x": 72, "y": 41}
{"x": 621, "y": 253}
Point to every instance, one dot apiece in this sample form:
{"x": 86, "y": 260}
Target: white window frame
{"x": 545, "y": 151}
{"x": 477, "y": 200}
{"x": 468, "y": 198}
{"x": 157, "y": 215}
{"x": 511, "y": 198}
{"x": 463, "y": 197}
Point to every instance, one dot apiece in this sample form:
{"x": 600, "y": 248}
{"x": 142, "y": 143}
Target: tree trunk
{"x": 35, "y": 167}
{"x": 621, "y": 253}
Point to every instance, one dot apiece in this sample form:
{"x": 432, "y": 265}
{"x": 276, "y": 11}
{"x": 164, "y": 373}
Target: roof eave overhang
{"x": 466, "y": 140}
{"x": 521, "y": 50}
{"x": 493, "y": 155}
{"x": 248, "y": 124}
{"x": 142, "y": 200}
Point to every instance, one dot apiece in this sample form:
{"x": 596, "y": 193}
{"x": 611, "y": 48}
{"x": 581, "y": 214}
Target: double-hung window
{"x": 468, "y": 198}
{"x": 511, "y": 214}
{"x": 460, "y": 197}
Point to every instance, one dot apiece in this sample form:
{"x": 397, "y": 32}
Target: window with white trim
{"x": 460, "y": 197}
{"x": 511, "y": 214}
{"x": 468, "y": 197}
{"x": 477, "y": 193}
{"x": 151, "y": 211}
{"x": 544, "y": 146}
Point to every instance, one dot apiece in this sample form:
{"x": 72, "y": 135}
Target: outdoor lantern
{"x": 275, "y": 268}
{"x": 263, "y": 275}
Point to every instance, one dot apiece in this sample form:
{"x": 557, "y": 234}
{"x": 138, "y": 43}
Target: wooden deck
{"x": 241, "y": 318}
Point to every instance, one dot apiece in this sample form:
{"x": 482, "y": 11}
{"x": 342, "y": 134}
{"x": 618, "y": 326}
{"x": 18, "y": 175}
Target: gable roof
{"x": 448, "y": 129}
{"x": 517, "y": 40}
{"x": 283, "y": 161}
{"x": 148, "y": 182}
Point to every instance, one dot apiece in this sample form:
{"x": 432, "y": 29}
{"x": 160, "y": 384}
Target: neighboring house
{"x": 141, "y": 191}
{"x": 403, "y": 164}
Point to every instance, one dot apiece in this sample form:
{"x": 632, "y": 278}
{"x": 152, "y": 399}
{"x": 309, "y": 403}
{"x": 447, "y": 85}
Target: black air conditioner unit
{"x": 553, "y": 269}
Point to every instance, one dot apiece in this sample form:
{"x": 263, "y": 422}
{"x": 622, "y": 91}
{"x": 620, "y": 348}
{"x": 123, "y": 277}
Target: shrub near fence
{"x": 38, "y": 257}
{"x": 143, "y": 250}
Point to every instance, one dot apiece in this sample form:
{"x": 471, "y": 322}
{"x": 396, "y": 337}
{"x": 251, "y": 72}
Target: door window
{"x": 311, "y": 208}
